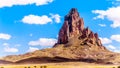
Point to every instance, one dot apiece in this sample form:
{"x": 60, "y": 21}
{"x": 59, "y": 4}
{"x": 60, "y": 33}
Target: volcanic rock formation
{"x": 75, "y": 43}
{"x": 73, "y": 27}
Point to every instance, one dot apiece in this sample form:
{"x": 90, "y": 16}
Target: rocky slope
{"x": 75, "y": 43}
{"x": 73, "y": 28}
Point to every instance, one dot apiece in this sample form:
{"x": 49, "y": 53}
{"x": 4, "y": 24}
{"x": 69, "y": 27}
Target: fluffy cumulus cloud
{"x": 10, "y": 49}
{"x": 5, "y": 36}
{"x": 10, "y": 3}
{"x": 112, "y": 14}
{"x": 43, "y": 42}
{"x": 56, "y": 17}
{"x": 44, "y": 19}
{"x": 34, "y": 19}
{"x": 111, "y": 47}
{"x": 105, "y": 40}
{"x": 31, "y": 49}
{"x": 116, "y": 37}
{"x": 102, "y": 25}
{"x": 7, "y": 48}
{"x": 5, "y": 44}
{"x": 117, "y": 51}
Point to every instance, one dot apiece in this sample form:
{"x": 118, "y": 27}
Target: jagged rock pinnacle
{"x": 74, "y": 26}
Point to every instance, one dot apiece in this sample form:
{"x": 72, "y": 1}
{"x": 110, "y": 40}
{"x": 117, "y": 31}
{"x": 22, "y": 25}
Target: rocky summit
{"x": 75, "y": 43}
{"x": 73, "y": 27}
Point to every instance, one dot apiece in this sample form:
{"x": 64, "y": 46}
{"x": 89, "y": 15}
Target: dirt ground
{"x": 59, "y": 65}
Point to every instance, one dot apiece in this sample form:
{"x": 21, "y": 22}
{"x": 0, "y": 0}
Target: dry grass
{"x": 60, "y": 65}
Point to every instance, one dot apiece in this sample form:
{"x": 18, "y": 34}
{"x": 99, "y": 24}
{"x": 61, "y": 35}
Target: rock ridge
{"x": 74, "y": 26}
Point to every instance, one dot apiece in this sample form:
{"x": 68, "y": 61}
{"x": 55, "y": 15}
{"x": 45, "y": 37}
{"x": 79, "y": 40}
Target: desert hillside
{"x": 75, "y": 43}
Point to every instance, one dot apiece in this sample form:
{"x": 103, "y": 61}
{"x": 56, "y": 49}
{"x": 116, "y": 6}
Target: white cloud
{"x": 118, "y": 51}
{"x": 56, "y": 17}
{"x": 8, "y": 49}
{"x": 5, "y": 36}
{"x": 34, "y": 19}
{"x": 10, "y": 3}
{"x": 111, "y": 47}
{"x": 44, "y": 19}
{"x": 105, "y": 40}
{"x": 31, "y": 49}
{"x": 116, "y": 37}
{"x": 5, "y": 44}
{"x": 112, "y": 14}
{"x": 43, "y": 42}
{"x": 102, "y": 25}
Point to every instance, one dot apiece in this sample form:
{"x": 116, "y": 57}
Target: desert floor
{"x": 60, "y": 65}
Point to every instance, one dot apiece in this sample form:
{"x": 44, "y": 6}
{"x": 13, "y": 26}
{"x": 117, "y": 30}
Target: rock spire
{"x": 73, "y": 27}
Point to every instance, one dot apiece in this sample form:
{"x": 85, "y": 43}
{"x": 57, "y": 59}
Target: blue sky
{"x": 29, "y": 25}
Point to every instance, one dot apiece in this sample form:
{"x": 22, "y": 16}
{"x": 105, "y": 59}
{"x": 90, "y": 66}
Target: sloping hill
{"x": 75, "y": 43}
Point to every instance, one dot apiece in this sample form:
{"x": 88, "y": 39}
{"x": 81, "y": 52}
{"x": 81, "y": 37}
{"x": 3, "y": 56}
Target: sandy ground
{"x": 61, "y": 65}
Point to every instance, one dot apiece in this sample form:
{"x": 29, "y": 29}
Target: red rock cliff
{"x": 74, "y": 26}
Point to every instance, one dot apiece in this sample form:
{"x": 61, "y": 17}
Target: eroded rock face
{"x": 74, "y": 26}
